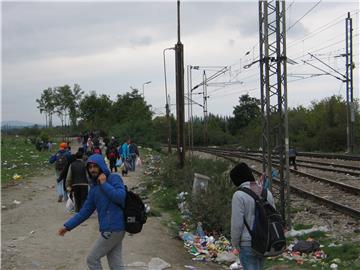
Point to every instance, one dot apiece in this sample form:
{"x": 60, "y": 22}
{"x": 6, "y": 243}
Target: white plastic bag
{"x": 138, "y": 162}
{"x": 118, "y": 162}
{"x": 70, "y": 205}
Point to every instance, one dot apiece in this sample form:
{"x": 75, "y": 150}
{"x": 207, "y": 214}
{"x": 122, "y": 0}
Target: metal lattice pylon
{"x": 273, "y": 86}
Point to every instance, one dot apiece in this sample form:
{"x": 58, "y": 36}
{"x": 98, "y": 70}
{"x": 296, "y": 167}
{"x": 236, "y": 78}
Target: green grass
{"x": 21, "y": 158}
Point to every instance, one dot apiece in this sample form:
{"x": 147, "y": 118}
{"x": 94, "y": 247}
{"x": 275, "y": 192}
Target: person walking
{"x": 60, "y": 159}
{"x": 292, "y": 157}
{"x": 133, "y": 154}
{"x": 243, "y": 208}
{"x": 125, "y": 157}
{"x": 107, "y": 195}
{"x": 112, "y": 155}
{"x": 77, "y": 182}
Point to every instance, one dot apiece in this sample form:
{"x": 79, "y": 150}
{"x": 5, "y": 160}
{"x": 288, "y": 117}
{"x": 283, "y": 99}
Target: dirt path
{"x": 29, "y": 239}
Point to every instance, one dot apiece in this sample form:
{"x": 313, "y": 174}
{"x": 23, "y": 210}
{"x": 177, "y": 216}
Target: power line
{"x": 321, "y": 28}
{"x": 291, "y": 26}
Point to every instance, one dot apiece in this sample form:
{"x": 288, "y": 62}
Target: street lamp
{"x": 167, "y": 103}
{"x": 143, "y": 87}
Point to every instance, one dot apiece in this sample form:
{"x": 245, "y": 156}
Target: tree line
{"x": 320, "y": 127}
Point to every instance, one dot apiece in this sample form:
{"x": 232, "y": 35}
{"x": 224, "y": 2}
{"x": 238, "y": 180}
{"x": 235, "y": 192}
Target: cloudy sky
{"x": 111, "y": 47}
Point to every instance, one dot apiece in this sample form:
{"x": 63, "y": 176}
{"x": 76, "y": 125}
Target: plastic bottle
{"x": 199, "y": 230}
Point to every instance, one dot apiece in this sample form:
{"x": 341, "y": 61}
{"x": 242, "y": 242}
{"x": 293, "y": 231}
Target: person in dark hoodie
{"x": 243, "y": 208}
{"x": 76, "y": 181}
{"x": 107, "y": 195}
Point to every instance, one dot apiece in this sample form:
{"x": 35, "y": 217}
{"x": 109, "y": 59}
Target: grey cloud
{"x": 141, "y": 41}
{"x": 52, "y": 29}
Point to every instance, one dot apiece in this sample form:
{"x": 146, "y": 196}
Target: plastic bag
{"x": 138, "y": 162}
{"x": 70, "y": 204}
{"x": 118, "y": 162}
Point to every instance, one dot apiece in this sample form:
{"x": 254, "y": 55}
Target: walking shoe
{"x": 60, "y": 198}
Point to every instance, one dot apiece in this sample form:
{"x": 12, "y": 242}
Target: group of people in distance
{"x": 71, "y": 171}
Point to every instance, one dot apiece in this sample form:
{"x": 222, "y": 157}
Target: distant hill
{"x": 17, "y": 124}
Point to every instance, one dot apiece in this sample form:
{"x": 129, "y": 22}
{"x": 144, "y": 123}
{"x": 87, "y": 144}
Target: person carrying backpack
{"x": 61, "y": 160}
{"x": 107, "y": 196}
{"x": 243, "y": 215}
{"x": 77, "y": 182}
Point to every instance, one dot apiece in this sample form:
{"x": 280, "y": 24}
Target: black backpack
{"x": 61, "y": 162}
{"x": 267, "y": 233}
{"x": 134, "y": 212}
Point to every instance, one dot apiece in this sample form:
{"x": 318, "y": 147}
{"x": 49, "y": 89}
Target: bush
{"x": 213, "y": 207}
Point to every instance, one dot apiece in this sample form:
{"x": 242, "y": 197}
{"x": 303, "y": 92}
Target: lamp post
{"x": 167, "y": 103}
{"x": 179, "y": 69}
{"x": 143, "y": 87}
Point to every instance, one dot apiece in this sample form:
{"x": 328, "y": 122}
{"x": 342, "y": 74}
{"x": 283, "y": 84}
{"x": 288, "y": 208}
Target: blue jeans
{"x": 249, "y": 260}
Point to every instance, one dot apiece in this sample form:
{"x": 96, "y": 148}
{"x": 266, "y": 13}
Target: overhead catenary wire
{"x": 311, "y": 9}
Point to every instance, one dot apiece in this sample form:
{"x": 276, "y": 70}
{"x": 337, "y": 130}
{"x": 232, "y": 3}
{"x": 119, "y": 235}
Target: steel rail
{"x": 334, "y": 205}
{"x": 319, "y": 155}
{"x": 342, "y": 186}
{"x": 352, "y": 168}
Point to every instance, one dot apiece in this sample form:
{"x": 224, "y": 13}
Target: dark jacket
{"x": 133, "y": 149}
{"x": 105, "y": 198}
{"x": 77, "y": 174}
{"x": 54, "y": 157}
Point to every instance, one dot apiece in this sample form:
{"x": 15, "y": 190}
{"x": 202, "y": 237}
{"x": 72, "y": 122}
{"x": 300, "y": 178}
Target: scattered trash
{"x": 226, "y": 257}
{"x": 306, "y": 246}
{"x": 138, "y": 265}
{"x": 158, "y": 264}
{"x": 294, "y": 233}
{"x": 32, "y": 232}
{"x": 236, "y": 265}
{"x": 190, "y": 267}
{"x": 16, "y": 176}
{"x": 16, "y": 202}
{"x": 334, "y": 245}
{"x": 304, "y": 251}
{"x": 3, "y": 206}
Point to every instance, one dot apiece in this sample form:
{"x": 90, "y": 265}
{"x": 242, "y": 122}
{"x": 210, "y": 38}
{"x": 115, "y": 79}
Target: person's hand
{"x": 68, "y": 189}
{"x": 62, "y": 231}
{"x": 235, "y": 251}
{"x": 102, "y": 178}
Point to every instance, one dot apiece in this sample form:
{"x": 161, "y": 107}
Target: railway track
{"x": 308, "y": 163}
{"x": 315, "y": 155}
{"x": 338, "y": 196}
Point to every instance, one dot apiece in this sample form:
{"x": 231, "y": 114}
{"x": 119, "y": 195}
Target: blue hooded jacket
{"x": 105, "y": 198}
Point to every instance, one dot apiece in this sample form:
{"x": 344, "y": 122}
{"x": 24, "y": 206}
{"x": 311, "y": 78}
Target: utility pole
{"x": 167, "y": 108}
{"x": 205, "y": 110}
{"x": 273, "y": 85}
{"x": 180, "y": 114}
{"x": 350, "y": 119}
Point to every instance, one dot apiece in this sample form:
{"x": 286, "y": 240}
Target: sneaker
{"x": 60, "y": 198}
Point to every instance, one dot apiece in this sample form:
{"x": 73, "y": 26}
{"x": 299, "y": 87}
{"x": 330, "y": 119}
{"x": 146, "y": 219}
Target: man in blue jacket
{"x": 107, "y": 193}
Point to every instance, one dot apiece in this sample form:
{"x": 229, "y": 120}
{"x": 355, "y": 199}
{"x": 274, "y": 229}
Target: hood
{"x": 241, "y": 173}
{"x": 99, "y": 160}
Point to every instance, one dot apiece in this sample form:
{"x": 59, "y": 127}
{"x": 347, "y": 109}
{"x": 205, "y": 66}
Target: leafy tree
{"x": 95, "y": 111}
{"x": 247, "y": 110}
{"x": 46, "y": 104}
